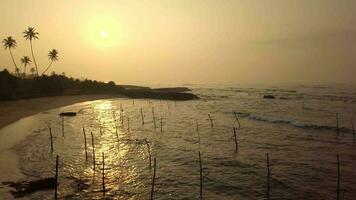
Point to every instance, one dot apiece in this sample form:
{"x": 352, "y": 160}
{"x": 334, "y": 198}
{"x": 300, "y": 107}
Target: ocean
{"x": 298, "y": 130}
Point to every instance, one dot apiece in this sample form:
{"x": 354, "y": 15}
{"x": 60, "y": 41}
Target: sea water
{"x": 297, "y": 129}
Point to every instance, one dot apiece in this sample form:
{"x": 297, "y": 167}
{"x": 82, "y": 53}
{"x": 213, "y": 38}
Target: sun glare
{"x": 103, "y": 31}
{"x": 104, "y": 34}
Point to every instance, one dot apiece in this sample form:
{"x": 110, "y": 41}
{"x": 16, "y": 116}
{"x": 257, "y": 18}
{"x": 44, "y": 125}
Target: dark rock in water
{"x": 152, "y": 94}
{"x": 28, "y": 187}
{"x": 172, "y": 89}
{"x": 269, "y": 97}
{"x": 68, "y": 114}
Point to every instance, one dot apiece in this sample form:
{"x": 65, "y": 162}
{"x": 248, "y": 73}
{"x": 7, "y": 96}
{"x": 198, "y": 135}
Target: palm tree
{"x": 31, "y": 34}
{"x": 32, "y": 70}
{"x": 17, "y": 70}
{"x": 25, "y": 61}
{"x": 10, "y": 43}
{"x": 53, "y": 56}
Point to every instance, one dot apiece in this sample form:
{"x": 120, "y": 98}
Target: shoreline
{"x": 11, "y": 111}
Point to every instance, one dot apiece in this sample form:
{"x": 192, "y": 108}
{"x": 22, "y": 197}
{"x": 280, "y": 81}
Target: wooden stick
{"x": 85, "y": 144}
{"x": 211, "y": 121}
{"x": 337, "y": 124}
{"x": 103, "y": 173}
{"x": 154, "y": 177}
{"x": 236, "y": 146}
{"x": 201, "y": 176}
{"x": 268, "y": 177}
{"x": 237, "y": 119}
{"x": 196, "y": 122}
{"x": 154, "y": 118}
{"x": 161, "y": 124}
{"x": 142, "y": 117}
{"x": 51, "y": 137}
{"x": 56, "y": 177}
{"x": 92, "y": 143}
{"x": 338, "y": 178}
{"x": 128, "y": 124}
{"x": 149, "y": 153}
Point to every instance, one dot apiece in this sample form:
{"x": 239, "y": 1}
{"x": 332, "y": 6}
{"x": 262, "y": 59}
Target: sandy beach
{"x": 10, "y": 111}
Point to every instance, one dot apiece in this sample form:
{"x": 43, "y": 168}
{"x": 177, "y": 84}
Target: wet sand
{"x": 11, "y": 111}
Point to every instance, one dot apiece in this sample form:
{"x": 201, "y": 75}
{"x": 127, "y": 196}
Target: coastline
{"x": 11, "y": 111}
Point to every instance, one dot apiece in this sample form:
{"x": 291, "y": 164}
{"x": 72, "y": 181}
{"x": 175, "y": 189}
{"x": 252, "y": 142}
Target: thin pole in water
{"x": 196, "y": 121}
{"x": 142, "y": 117}
{"x": 103, "y": 173}
{"x": 268, "y": 177}
{"x": 85, "y": 144}
{"x": 161, "y": 124}
{"x": 92, "y": 143}
{"x": 338, "y": 178}
{"x": 149, "y": 153}
{"x": 237, "y": 119}
{"x": 128, "y": 124}
{"x": 236, "y": 146}
{"x": 211, "y": 121}
{"x": 201, "y": 176}
{"x": 154, "y": 177}
{"x": 56, "y": 177}
{"x": 51, "y": 137}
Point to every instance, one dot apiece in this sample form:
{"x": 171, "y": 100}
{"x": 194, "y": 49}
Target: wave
{"x": 291, "y": 122}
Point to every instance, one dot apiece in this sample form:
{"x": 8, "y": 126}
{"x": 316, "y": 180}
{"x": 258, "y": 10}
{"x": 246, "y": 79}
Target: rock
{"x": 269, "y": 97}
{"x": 68, "y": 114}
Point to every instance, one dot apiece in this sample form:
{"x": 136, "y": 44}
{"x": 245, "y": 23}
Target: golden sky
{"x": 189, "y": 41}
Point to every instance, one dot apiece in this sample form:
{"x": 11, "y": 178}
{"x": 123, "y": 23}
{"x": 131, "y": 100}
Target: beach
{"x": 11, "y": 111}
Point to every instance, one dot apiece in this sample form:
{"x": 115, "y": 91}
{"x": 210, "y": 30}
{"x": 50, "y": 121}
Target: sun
{"x": 104, "y": 34}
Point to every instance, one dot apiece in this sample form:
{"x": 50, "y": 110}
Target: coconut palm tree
{"x": 25, "y": 61}
{"x": 32, "y": 70}
{"x": 10, "y": 43}
{"x": 53, "y": 56}
{"x": 31, "y": 34}
{"x": 17, "y": 70}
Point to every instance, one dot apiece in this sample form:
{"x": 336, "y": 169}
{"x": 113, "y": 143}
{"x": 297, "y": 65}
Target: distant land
{"x": 14, "y": 88}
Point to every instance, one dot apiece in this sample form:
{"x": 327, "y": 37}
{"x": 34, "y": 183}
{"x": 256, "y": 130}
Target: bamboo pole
{"x": 92, "y": 143}
{"x": 154, "y": 177}
{"x": 161, "y": 124}
{"x": 128, "y": 124}
{"x": 236, "y": 146}
{"x": 201, "y": 176}
{"x": 338, "y": 178}
{"x": 103, "y": 174}
{"x": 85, "y": 144}
{"x": 51, "y": 137}
{"x": 56, "y": 177}
{"x": 149, "y": 153}
{"x": 142, "y": 117}
{"x": 268, "y": 178}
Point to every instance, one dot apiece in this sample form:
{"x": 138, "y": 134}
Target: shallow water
{"x": 301, "y": 143}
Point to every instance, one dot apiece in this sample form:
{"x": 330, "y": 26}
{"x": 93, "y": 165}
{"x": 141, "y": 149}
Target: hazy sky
{"x": 189, "y": 41}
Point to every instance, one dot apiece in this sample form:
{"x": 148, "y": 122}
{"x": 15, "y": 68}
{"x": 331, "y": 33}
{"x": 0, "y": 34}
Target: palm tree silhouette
{"x": 10, "y": 43}
{"x": 17, "y": 70}
{"x": 32, "y": 70}
{"x": 25, "y": 61}
{"x": 53, "y": 56}
{"x": 31, "y": 34}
